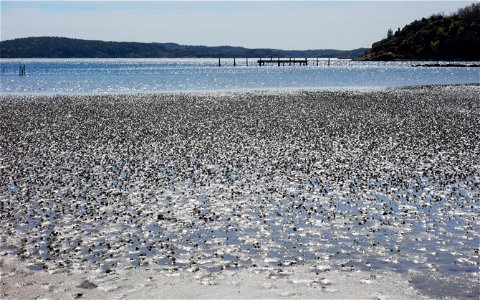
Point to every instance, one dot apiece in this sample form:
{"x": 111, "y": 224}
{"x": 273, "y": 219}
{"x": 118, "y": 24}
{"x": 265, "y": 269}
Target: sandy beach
{"x": 368, "y": 194}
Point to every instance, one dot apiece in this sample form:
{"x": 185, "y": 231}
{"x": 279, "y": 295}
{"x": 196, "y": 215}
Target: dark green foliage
{"x": 455, "y": 37}
{"x": 60, "y": 47}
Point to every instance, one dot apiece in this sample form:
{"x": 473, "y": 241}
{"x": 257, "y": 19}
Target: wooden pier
{"x": 278, "y": 61}
{"x": 283, "y": 61}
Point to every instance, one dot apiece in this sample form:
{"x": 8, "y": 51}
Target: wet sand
{"x": 318, "y": 194}
{"x": 295, "y": 282}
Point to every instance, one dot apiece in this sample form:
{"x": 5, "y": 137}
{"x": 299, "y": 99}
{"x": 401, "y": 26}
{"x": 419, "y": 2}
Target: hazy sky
{"x": 254, "y": 24}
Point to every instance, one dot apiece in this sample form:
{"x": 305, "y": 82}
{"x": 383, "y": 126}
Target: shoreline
{"x": 271, "y": 91}
{"x": 333, "y": 194}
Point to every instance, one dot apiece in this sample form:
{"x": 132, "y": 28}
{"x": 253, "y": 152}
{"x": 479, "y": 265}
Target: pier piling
{"x": 21, "y": 70}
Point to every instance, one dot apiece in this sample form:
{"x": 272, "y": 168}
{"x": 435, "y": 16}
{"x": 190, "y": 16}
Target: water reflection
{"x": 86, "y": 76}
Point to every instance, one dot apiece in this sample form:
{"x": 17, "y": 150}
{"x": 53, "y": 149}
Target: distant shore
{"x": 351, "y": 193}
{"x": 63, "y": 47}
{"x": 449, "y": 65}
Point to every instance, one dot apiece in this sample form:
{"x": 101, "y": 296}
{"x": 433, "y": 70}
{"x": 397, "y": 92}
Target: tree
{"x": 389, "y": 33}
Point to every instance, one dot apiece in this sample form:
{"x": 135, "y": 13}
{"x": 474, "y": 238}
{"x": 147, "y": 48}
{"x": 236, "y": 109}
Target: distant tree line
{"x": 60, "y": 47}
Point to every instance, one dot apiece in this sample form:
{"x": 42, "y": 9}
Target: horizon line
{"x": 191, "y": 45}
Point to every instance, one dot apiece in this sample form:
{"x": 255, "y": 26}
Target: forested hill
{"x": 60, "y": 47}
{"x": 454, "y": 37}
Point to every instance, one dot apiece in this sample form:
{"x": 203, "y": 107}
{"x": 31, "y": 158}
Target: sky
{"x": 289, "y": 25}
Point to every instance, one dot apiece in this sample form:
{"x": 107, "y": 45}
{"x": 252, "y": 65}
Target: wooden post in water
{"x": 317, "y": 61}
{"x": 329, "y": 61}
{"x": 234, "y": 63}
{"x": 246, "y": 60}
{"x": 219, "y": 64}
{"x": 21, "y": 70}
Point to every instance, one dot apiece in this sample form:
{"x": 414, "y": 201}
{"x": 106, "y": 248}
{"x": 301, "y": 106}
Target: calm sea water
{"x": 87, "y": 76}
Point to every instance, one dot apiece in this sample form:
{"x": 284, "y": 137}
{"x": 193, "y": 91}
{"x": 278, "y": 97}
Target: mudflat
{"x": 297, "y": 194}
